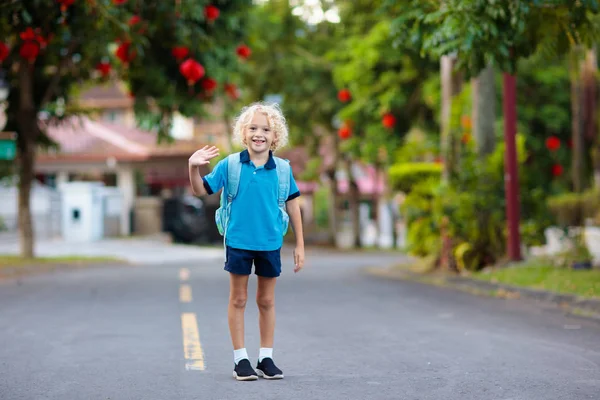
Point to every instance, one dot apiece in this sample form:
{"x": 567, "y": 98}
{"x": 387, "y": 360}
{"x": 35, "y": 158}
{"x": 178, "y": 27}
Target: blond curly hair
{"x": 275, "y": 119}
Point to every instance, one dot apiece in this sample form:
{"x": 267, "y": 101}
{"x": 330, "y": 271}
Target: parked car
{"x": 184, "y": 217}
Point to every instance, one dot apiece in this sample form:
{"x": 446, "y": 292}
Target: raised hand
{"x": 203, "y": 156}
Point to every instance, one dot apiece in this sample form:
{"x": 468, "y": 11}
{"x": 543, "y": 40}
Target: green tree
{"x": 479, "y": 33}
{"x": 385, "y": 81}
{"x": 51, "y": 47}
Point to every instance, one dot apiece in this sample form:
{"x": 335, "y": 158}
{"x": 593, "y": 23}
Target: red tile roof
{"x": 82, "y": 139}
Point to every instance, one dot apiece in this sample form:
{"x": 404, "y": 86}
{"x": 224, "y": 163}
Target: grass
{"x": 542, "y": 275}
{"x": 12, "y": 261}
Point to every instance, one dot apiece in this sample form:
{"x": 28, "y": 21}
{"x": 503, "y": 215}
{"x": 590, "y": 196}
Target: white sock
{"x": 265, "y": 352}
{"x": 239, "y": 355}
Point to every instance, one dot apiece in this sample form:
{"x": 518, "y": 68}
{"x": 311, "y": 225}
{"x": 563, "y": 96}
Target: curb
{"x": 575, "y": 304}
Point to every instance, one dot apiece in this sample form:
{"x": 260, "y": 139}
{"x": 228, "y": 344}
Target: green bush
{"x": 473, "y": 202}
{"x": 322, "y": 202}
{"x": 405, "y": 176}
{"x": 572, "y": 209}
{"x": 423, "y": 228}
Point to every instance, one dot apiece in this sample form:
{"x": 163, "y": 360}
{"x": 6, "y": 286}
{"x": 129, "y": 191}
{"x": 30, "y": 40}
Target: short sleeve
{"x": 294, "y": 191}
{"x": 214, "y": 181}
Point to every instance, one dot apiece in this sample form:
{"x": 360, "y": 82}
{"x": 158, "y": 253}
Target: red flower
{"x": 29, "y": 50}
{"x": 64, "y": 4}
{"x": 192, "y": 70}
{"x": 3, "y": 51}
{"x": 180, "y": 52}
{"x": 553, "y": 143}
{"x": 135, "y": 19}
{"x": 344, "y": 95}
{"x": 119, "y": 2}
{"x": 243, "y": 51}
{"x": 211, "y": 13}
{"x": 388, "y": 120}
{"x": 124, "y": 53}
{"x": 28, "y": 34}
{"x": 465, "y": 122}
{"x": 209, "y": 84}
{"x": 104, "y": 68}
{"x": 232, "y": 91}
{"x": 466, "y": 138}
{"x": 557, "y": 170}
{"x": 344, "y": 132}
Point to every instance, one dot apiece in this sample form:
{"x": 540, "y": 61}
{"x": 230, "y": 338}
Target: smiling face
{"x": 258, "y": 134}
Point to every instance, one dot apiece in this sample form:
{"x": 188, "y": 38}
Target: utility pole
{"x": 511, "y": 174}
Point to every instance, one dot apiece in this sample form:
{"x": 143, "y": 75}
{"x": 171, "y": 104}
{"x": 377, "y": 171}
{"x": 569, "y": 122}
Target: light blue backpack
{"x": 234, "y": 169}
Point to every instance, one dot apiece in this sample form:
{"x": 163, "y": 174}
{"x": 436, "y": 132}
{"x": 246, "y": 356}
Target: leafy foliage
{"x": 572, "y": 209}
{"x": 90, "y": 32}
{"x": 405, "y": 176}
{"x": 480, "y": 32}
{"x": 288, "y": 61}
{"x": 381, "y": 80}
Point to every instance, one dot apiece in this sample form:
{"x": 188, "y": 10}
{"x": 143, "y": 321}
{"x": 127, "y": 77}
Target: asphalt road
{"x": 160, "y": 332}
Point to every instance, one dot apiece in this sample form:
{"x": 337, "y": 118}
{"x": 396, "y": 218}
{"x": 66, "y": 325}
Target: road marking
{"x": 184, "y": 274}
{"x": 192, "y": 349}
{"x": 185, "y": 293}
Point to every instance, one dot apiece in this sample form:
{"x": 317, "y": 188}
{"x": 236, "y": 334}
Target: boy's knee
{"x": 265, "y": 303}
{"x": 238, "y": 301}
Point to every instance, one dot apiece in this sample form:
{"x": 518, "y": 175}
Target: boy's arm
{"x": 196, "y": 181}
{"x": 293, "y": 209}
{"x": 202, "y": 185}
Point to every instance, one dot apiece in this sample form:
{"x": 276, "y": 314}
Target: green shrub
{"x": 572, "y": 209}
{"x": 423, "y": 227}
{"x": 322, "y": 202}
{"x": 473, "y": 202}
{"x": 405, "y": 176}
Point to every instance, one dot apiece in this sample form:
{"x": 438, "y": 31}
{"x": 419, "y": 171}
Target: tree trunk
{"x": 451, "y": 82}
{"x": 26, "y": 141}
{"x": 354, "y": 203}
{"x": 484, "y": 111}
{"x": 577, "y": 168}
{"x": 590, "y": 67}
{"x": 334, "y": 208}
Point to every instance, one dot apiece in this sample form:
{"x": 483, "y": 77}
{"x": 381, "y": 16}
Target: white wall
{"x": 44, "y": 205}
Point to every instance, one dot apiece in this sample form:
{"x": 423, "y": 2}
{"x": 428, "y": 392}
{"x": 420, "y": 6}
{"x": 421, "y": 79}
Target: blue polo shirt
{"x": 255, "y": 221}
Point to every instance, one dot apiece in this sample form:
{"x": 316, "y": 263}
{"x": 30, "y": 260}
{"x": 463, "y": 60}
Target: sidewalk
{"x": 575, "y": 304}
{"x": 135, "y": 250}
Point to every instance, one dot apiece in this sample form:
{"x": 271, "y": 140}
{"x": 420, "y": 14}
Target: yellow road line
{"x": 184, "y": 274}
{"x": 192, "y": 349}
{"x": 185, "y": 293}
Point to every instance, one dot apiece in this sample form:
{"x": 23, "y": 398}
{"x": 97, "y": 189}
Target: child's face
{"x": 259, "y": 135}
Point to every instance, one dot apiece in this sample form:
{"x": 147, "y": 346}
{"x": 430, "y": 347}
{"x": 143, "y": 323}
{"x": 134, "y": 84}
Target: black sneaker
{"x": 267, "y": 369}
{"x": 243, "y": 371}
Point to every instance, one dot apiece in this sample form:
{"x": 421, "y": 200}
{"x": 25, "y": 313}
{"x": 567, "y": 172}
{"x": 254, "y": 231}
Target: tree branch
{"x": 56, "y": 78}
{"x": 309, "y": 56}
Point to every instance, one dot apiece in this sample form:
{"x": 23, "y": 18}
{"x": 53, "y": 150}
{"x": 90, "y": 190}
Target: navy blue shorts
{"x": 266, "y": 263}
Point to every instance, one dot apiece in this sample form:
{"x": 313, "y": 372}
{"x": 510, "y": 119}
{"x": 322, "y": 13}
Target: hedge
{"x": 572, "y": 209}
{"x": 404, "y": 176}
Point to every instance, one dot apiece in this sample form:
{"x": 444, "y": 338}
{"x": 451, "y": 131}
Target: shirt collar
{"x": 245, "y": 157}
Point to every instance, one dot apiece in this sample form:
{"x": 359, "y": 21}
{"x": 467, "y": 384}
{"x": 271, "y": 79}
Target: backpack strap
{"x": 283, "y": 174}
{"x": 234, "y": 171}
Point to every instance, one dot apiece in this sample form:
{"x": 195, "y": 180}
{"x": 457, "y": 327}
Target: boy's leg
{"x": 238, "y": 294}
{"x": 239, "y": 264}
{"x": 268, "y": 268}
{"x": 265, "y": 299}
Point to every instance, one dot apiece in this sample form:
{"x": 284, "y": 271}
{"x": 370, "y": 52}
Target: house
{"x": 127, "y": 158}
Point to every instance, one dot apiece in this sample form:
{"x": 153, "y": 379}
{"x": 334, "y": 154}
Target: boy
{"x": 254, "y": 232}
